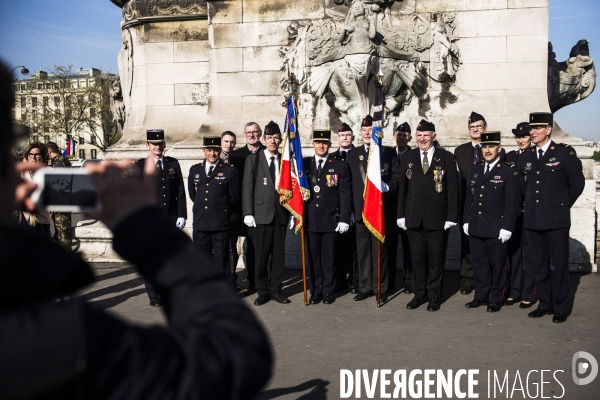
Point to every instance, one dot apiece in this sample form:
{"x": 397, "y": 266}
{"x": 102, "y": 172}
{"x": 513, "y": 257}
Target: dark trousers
{"x": 427, "y": 249}
{"x": 466, "y": 265}
{"x": 550, "y": 245}
{"x": 391, "y": 242}
{"x": 489, "y": 256}
{"x": 215, "y": 245}
{"x": 520, "y": 277}
{"x": 321, "y": 267}
{"x": 366, "y": 248}
{"x": 407, "y": 272}
{"x": 346, "y": 262}
{"x": 269, "y": 240}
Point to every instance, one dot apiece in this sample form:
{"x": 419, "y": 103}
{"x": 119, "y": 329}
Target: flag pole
{"x": 303, "y": 265}
{"x": 378, "y": 273}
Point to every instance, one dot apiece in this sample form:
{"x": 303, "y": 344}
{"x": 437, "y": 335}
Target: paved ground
{"x": 312, "y": 344}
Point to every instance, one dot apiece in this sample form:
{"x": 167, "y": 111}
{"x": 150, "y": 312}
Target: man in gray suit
{"x": 265, "y": 217}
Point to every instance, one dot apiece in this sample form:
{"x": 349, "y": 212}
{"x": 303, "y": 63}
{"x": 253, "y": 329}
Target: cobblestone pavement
{"x": 312, "y": 344}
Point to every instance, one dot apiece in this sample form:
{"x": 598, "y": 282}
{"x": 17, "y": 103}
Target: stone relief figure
{"x": 117, "y": 106}
{"x": 572, "y": 80}
{"x": 335, "y": 59}
{"x": 126, "y": 66}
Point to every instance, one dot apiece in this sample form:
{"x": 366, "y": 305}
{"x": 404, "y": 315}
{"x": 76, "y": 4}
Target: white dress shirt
{"x": 544, "y": 149}
{"x": 317, "y": 158}
{"x": 429, "y": 155}
{"x": 491, "y": 165}
{"x": 268, "y": 156}
{"x": 207, "y": 167}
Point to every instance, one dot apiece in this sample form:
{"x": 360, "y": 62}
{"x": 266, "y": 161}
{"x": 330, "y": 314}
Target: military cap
{"x": 474, "y": 117}
{"x": 320, "y": 135}
{"x": 367, "y": 121}
{"x": 404, "y": 127}
{"x": 345, "y": 128}
{"x": 540, "y": 119}
{"x": 522, "y": 129}
{"x": 426, "y": 126}
{"x": 272, "y": 129}
{"x": 211, "y": 142}
{"x": 155, "y": 136}
{"x": 490, "y": 137}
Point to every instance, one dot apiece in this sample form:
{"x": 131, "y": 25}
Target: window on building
{"x": 57, "y": 113}
{"x": 82, "y": 84}
{"x": 57, "y": 85}
{"x": 40, "y": 86}
{"x": 48, "y": 85}
{"x": 93, "y": 139}
{"x": 46, "y": 137}
{"x": 45, "y": 101}
{"x": 46, "y": 112}
{"x": 91, "y": 83}
{"x": 56, "y": 101}
{"x": 23, "y": 102}
{"x": 23, "y": 87}
{"x": 81, "y": 140}
{"x": 23, "y": 113}
{"x": 80, "y": 100}
{"x": 15, "y": 87}
{"x": 68, "y": 100}
{"x": 34, "y": 102}
{"x": 46, "y": 129}
{"x": 74, "y": 84}
{"x": 93, "y": 154}
{"x": 34, "y": 113}
{"x": 82, "y": 154}
{"x": 92, "y": 112}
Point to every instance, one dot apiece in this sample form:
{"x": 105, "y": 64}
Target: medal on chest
{"x": 438, "y": 175}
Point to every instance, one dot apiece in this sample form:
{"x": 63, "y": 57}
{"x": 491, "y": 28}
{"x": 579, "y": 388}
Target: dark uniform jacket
{"x": 550, "y": 186}
{"x": 214, "y": 198}
{"x": 211, "y": 347}
{"x": 333, "y": 202}
{"x": 259, "y": 195}
{"x": 338, "y": 153}
{"x": 512, "y": 159}
{"x": 390, "y": 174}
{"x": 493, "y": 200}
{"x": 59, "y": 162}
{"x": 418, "y": 200}
{"x": 237, "y": 158}
{"x": 170, "y": 189}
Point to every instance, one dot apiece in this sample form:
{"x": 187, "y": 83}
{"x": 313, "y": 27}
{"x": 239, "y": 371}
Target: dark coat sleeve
{"x": 345, "y": 193}
{"x": 248, "y": 186}
{"x": 512, "y": 200}
{"x": 191, "y": 188}
{"x": 453, "y": 193}
{"x": 576, "y": 178}
{"x": 402, "y": 187}
{"x": 395, "y": 179}
{"x": 181, "y": 202}
{"x": 234, "y": 187}
{"x": 468, "y": 198}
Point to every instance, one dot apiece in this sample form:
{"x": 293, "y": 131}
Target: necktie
{"x": 272, "y": 169}
{"x": 343, "y": 153}
{"x": 320, "y": 167}
{"x": 476, "y": 155}
{"x": 541, "y": 153}
{"x": 425, "y": 163}
{"x": 210, "y": 170}
{"x": 487, "y": 169}
{"x": 160, "y": 170}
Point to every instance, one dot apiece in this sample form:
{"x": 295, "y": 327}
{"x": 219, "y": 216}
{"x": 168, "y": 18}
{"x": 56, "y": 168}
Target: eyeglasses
{"x": 34, "y": 155}
{"x": 476, "y": 127}
{"x": 252, "y": 132}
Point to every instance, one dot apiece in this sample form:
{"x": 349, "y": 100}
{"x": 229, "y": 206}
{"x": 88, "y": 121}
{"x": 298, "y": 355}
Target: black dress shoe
{"x": 559, "y": 318}
{"x": 408, "y": 288}
{"x": 414, "y": 303}
{"x": 315, "y": 299}
{"x": 538, "y": 313}
{"x": 510, "y": 302}
{"x": 251, "y": 289}
{"x": 383, "y": 298}
{"x": 466, "y": 290}
{"x": 493, "y": 307}
{"x": 281, "y": 299}
{"x": 328, "y": 299}
{"x": 433, "y": 305}
{"x": 526, "y": 305}
{"x": 476, "y": 303}
{"x": 354, "y": 290}
{"x": 155, "y": 302}
{"x": 262, "y": 299}
{"x": 361, "y": 296}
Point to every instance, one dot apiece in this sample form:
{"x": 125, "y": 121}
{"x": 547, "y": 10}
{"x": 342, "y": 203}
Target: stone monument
{"x": 198, "y": 67}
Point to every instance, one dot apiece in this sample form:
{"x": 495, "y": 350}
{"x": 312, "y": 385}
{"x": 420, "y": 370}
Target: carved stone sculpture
{"x": 117, "y": 106}
{"x": 335, "y": 59}
{"x": 572, "y": 80}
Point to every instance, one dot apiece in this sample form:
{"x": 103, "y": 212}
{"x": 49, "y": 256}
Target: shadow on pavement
{"x": 318, "y": 391}
{"x": 119, "y": 287}
{"x": 116, "y": 300}
{"x": 116, "y": 274}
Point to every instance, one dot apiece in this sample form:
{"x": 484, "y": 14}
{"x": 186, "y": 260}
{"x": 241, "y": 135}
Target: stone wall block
{"x": 587, "y": 200}
{"x": 226, "y": 60}
{"x": 528, "y": 3}
{"x": 225, "y": 11}
{"x": 160, "y": 95}
{"x": 259, "y": 107}
{"x": 172, "y": 73}
{"x": 251, "y": 34}
{"x": 459, "y": 5}
{"x": 502, "y": 22}
{"x": 502, "y": 76}
{"x": 583, "y": 236}
{"x": 277, "y": 10}
{"x": 157, "y": 53}
{"x": 483, "y": 50}
{"x": 226, "y": 108}
{"x": 262, "y": 58}
{"x": 191, "y": 94}
{"x": 527, "y": 48}
{"x": 191, "y": 51}
{"x": 175, "y": 31}
{"x": 244, "y": 83}
{"x": 523, "y": 101}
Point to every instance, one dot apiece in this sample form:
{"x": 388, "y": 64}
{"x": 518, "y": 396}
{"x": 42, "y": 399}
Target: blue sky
{"x": 86, "y": 33}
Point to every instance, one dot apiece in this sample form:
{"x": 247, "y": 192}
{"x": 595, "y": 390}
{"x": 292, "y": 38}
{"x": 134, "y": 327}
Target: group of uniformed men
{"x": 513, "y": 210}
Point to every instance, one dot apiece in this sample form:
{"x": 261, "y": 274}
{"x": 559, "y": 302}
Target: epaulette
{"x": 564, "y": 145}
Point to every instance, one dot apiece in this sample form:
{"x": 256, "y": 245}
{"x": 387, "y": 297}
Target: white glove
{"x": 249, "y": 221}
{"x": 401, "y": 222}
{"x": 384, "y": 187}
{"x": 352, "y": 220}
{"x": 291, "y": 224}
{"x": 466, "y": 229}
{"x": 180, "y": 223}
{"x": 504, "y": 235}
{"x": 449, "y": 225}
{"x": 342, "y": 227}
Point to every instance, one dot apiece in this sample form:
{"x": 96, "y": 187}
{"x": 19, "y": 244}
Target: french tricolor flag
{"x": 372, "y": 212}
{"x": 69, "y": 148}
